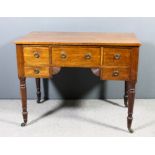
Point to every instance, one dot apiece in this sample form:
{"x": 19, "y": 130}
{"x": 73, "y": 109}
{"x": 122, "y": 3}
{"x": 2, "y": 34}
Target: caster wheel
{"x": 131, "y": 130}
{"x": 23, "y": 124}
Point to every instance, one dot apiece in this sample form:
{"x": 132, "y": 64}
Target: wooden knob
{"x": 63, "y": 55}
{"x": 87, "y": 56}
{"x": 115, "y": 73}
{"x": 36, "y": 71}
{"x": 36, "y": 55}
{"x": 117, "y": 56}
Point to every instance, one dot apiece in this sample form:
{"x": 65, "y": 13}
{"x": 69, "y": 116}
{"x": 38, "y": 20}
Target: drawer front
{"x": 76, "y": 56}
{"x": 36, "y": 56}
{"x": 37, "y": 72}
{"x": 116, "y": 56}
{"x": 115, "y": 73}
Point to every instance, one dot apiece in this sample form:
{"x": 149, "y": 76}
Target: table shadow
{"x": 74, "y": 103}
{"x": 9, "y": 122}
{"x": 74, "y": 83}
{"x": 145, "y": 125}
{"x": 114, "y": 103}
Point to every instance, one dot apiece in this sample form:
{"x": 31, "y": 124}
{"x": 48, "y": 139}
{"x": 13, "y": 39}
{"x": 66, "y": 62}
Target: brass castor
{"x": 130, "y": 130}
{"x": 23, "y": 124}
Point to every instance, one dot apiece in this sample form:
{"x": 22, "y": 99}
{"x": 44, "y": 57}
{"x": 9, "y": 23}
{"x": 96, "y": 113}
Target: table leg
{"x": 126, "y": 94}
{"x": 24, "y": 99}
{"x": 38, "y": 90}
{"x": 131, "y": 98}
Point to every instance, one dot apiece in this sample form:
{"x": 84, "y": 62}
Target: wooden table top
{"x": 79, "y": 38}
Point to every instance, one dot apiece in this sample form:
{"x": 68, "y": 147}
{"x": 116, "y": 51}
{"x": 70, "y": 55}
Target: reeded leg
{"x": 24, "y": 99}
{"x": 131, "y": 98}
{"x": 126, "y": 94}
{"x": 38, "y": 90}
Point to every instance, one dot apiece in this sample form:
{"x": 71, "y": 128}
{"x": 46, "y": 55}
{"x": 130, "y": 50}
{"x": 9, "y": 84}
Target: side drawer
{"x": 115, "y": 73}
{"x": 37, "y": 72}
{"x": 116, "y": 56}
{"x": 36, "y": 56}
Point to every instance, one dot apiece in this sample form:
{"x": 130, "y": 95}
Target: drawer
{"x": 37, "y": 72}
{"x": 116, "y": 56}
{"x": 76, "y": 56}
{"x": 36, "y": 56}
{"x": 114, "y": 73}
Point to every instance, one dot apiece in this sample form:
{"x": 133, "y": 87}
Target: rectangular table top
{"x": 79, "y": 38}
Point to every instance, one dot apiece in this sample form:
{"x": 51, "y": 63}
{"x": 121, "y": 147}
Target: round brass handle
{"x": 36, "y": 71}
{"x": 115, "y": 73}
{"x": 117, "y": 56}
{"x": 88, "y": 56}
{"x": 36, "y": 55}
{"x": 63, "y": 55}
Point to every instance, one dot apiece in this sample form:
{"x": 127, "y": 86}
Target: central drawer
{"x": 76, "y": 56}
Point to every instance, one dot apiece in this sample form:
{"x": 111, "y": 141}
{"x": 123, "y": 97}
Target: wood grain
{"x": 107, "y": 73}
{"x": 79, "y": 49}
{"x": 20, "y": 60}
{"x": 43, "y": 72}
{"x": 31, "y": 60}
{"x": 76, "y": 56}
{"x": 134, "y": 64}
{"x": 110, "y": 53}
{"x": 80, "y": 38}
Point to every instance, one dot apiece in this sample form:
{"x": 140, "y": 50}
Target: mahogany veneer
{"x": 111, "y": 56}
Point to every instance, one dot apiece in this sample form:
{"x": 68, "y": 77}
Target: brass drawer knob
{"x": 36, "y": 55}
{"x": 88, "y": 56}
{"x": 115, "y": 73}
{"x": 63, "y": 55}
{"x": 117, "y": 56}
{"x": 36, "y": 71}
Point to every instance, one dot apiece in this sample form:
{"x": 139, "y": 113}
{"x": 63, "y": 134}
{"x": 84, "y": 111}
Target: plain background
{"x": 77, "y": 83}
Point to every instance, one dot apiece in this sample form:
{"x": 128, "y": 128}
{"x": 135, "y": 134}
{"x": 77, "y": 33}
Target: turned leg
{"x": 38, "y": 90}
{"x": 126, "y": 94}
{"x": 131, "y": 98}
{"x": 24, "y": 99}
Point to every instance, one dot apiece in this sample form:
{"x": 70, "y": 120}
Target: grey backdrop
{"x": 77, "y": 83}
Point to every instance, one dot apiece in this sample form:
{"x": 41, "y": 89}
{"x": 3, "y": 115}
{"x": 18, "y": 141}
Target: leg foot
{"x": 131, "y": 130}
{"x": 23, "y": 124}
{"x": 129, "y": 121}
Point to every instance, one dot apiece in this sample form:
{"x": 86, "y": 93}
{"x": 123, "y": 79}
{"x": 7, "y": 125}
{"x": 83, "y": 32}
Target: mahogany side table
{"x": 110, "y": 56}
